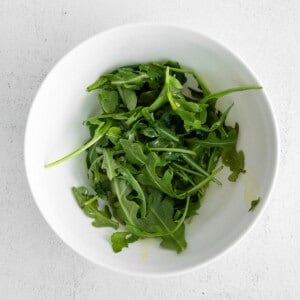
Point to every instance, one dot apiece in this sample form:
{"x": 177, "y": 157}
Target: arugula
{"x": 254, "y": 203}
{"x": 102, "y": 218}
{"x": 120, "y": 240}
{"x": 109, "y": 100}
{"x": 153, "y": 152}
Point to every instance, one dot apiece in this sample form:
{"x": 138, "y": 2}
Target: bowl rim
{"x": 269, "y": 189}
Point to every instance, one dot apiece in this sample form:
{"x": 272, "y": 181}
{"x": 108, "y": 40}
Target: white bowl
{"x": 55, "y": 128}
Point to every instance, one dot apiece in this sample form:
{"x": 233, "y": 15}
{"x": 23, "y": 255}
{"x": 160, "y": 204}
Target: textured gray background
{"x": 34, "y": 263}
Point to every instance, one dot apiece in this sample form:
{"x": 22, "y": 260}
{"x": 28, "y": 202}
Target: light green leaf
{"x": 120, "y": 240}
{"x": 129, "y": 97}
{"x": 109, "y": 100}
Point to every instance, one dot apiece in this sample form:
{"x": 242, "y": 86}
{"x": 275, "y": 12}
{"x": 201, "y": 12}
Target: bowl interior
{"x": 55, "y": 128}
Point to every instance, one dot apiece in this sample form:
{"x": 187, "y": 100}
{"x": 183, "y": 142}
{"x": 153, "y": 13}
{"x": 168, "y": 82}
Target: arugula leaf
{"x": 129, "y": 208}
{"x": 149, "y": 176}
{"x": 134, "y": 152}
{"x": 109, "y": 163}
{"x": 128, "y": 78}
{"x": 109, "y": 100}
{"x": 254, "y": 203}
{"x": 120, "y": 240}
{"x": 213, "y": 140}
{"x": 165, "y": 132}
{"x": 128, "y": 176}
{"x": 154, "y": 73}
{"x": 99, "y": 83}
{"x": 175, "y": 240}
{"x": 235, "y": 160}
{"x": 129, "y": 98}
{"x": 89, "y": 206}
{"x": 114, "y": 134}
{"x": 186, "y": 110}
{"x": 160, "y": 223}
{"x": 219, "y": 123}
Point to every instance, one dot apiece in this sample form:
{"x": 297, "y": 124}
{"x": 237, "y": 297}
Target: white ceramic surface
{"x": 54, "y": 129}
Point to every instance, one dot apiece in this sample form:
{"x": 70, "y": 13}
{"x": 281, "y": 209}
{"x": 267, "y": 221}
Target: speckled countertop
{"x": 34, "y": 262}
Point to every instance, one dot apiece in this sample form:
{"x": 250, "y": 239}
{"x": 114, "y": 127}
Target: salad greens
{"x": 153, "y": 152}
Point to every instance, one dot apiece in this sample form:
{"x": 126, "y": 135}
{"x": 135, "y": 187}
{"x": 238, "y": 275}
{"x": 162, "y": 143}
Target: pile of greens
{"x": 153, "y": 152}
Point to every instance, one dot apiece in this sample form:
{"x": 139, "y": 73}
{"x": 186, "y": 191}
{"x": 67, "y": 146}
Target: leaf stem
{"x": 228, "y": 91}
{"x": 132, "y": 80}
{"x": 202, "y": 183}
{"x": 176, "y": 150}
{"x": 91, "y": 200}
{"x": 183, "y": 215}
{"x": 159, "y": 101}
{"x": 99, "y": 133}
{"x": 198, "y": 168}
{"x": 188, "y": 170}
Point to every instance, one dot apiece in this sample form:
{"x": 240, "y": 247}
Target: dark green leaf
{"x": 128, "y": 176}
{"x": 149, "y": 176}
{"x": 129, "y": 208}
{"x": 254, "y": 203}
{"x": 235, "y": 161}
{"x": 134, "y": 152}
{"x": 90, "y": 207}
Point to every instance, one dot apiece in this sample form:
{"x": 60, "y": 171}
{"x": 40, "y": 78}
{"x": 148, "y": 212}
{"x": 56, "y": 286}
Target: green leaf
{"x": 175, "y": 241}
{"x": 114, "y": 134}
{"x": 188, "y": 111}
{"x": 175, "y": 67}
{"x": 216, "y": 125}
{"x": 89, "y": 206}
{"x": 109, "y": 100}
{"x": 129, "y": 208}
{"x": 165, "y": 132}
{"x": 149, "y": 176}
{"x": 148, "y": 97}
{"x": 213, "y": 140}
{"x": 155, "y": 74}
{"x": 129, "y": 97}
{"x": 81, "y": 195}
{"x": 109, "y": 164}
{"x": 93, "y": 171}
{"x": 159, "y": 222}
{"x": 120, "y": 240}
{"x": 128, "y": 78}
{"x": 235, "y": 161}
{"x": 127, "y": 175}
{"x": 134, "y": 152}
{"x": 99, "y": 83}
{"x": 201, "y": 184}
{"x": 254, "y": 203}
{"x": 149, "y": 132}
